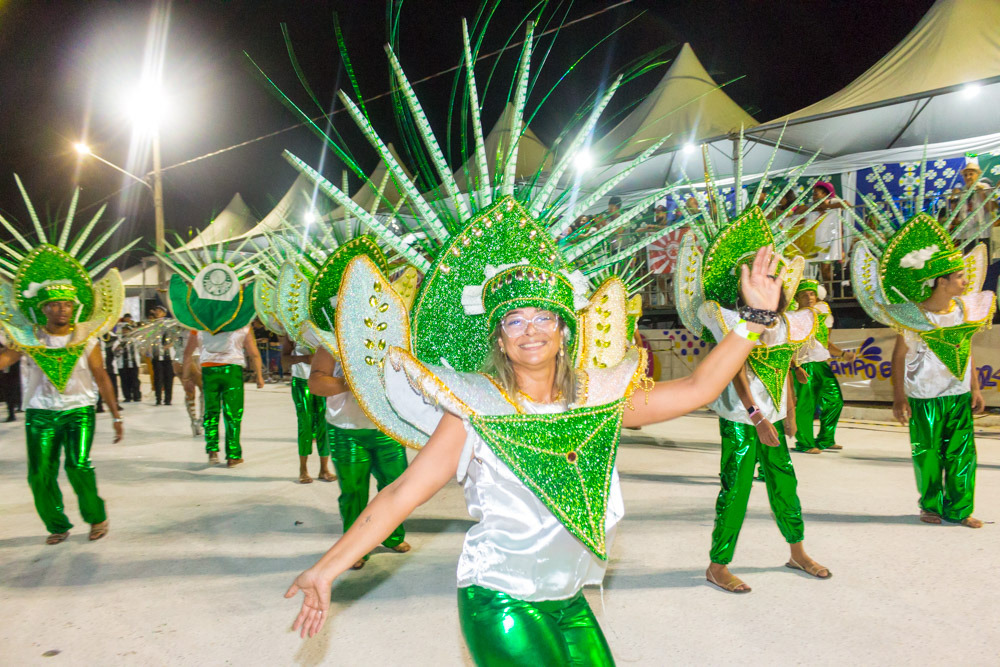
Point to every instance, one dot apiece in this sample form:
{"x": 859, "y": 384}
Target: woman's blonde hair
{"x": 499, "y": 367}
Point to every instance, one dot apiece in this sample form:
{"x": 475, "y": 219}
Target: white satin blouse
{"x": 926, "y": 376}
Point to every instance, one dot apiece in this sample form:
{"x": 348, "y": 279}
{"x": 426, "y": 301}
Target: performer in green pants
{"x": 222, "y": 362}
{"x": 912, "y": 275}
{"x": 936, "y": 402}
{"x": 815, "y": 383}
{"x": 360, "y": 450}
{"x": 52, "y": 317}
{"x": 310, "y": 412}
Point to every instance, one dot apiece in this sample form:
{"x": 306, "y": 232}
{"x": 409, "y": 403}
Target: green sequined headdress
{"x": 57, "y": 268}
{"x": 497, "y": 242}
{"x": 211, "y": 289}
{"x": 720, "y": 241}
{"x": 807, "y": 285}
{"x": 895, "y": 264}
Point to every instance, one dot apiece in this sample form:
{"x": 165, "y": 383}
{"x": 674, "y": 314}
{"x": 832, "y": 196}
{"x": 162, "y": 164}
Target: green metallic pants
{"x": 741, "y": 450}
{"x": 310, "y": 411}
{"x": 359, "y": 454}
{"x": 823, "y": 391}
{"x": 49, "y": 432}
{"x": 502, "y": 631}
{"x": 222, "y": 391}
{"x": 943, "y": 446}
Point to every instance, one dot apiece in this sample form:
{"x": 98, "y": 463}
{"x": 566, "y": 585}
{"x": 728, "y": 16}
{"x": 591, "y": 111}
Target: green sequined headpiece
{"x": 207, "y": 291}
{"x": 807, "y": 285}
{"x": 59, "y": 268}
{"x": 58, "y": 292}
{"x": 896, "y": 259}
{"x": 529, "y": 286}
{"x": 719, "y": 243}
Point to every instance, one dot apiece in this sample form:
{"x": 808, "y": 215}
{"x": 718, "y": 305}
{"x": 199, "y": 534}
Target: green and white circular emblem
{"x": 217, "y": 282}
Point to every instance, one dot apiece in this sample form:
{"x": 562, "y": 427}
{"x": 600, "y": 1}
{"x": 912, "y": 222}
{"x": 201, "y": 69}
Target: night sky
{"x": 68, "y": 67}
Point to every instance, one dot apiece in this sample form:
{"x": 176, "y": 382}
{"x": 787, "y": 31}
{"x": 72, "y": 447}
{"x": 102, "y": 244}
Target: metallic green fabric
{"x": 49, "y": 432}
{"x": 741, "y": 450}
{"x": 359, "y": 454}
{"x": 222, "y": 391}
{"x": 502, "y": 631}
{"x": 822, "y": 391}
{"x": 943, "y": 445}
{"x": 310, "y": 411}
{"x": 565, "y": 459}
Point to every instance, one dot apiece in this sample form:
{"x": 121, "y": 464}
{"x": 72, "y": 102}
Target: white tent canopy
{"x": 686, "y": 104}
{"x": 143, "y": 274}
{"x": 234, "y": 220}
{"x": 940, "y": 84}
{"x": 691, "y": 107}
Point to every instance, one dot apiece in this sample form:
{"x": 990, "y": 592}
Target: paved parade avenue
{"x": 198, "y": 558}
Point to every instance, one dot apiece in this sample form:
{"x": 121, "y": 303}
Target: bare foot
{"x": 719, "y": 575}
{"x": 99, "y": 530}
{"x": 972, "y": 522}
{"x": 930, "y": 517}
{"x": 56, "y": 538}
{"x": 304, "y": 477}
{"x": 401, "y": 548}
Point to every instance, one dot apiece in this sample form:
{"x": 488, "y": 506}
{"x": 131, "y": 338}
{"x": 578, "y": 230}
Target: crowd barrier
{"x": 676, "y": 352}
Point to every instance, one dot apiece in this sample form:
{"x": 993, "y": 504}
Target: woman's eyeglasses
{"x": 516, "y": 325}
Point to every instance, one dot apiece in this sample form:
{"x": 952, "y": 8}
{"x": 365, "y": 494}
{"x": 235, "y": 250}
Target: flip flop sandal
{"x": 930, "y": 517}
{"x": 56, "y": 538}
{"x": 814, "y": 572}
{"x": 732, "y": 586}
{"x": 99, "y": 530}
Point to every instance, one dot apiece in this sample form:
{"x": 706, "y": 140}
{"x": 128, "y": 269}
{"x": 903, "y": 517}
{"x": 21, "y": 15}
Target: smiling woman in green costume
{"x": 512, "y": 371}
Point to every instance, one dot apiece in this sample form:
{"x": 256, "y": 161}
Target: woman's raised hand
{"x": 761, "y": 283}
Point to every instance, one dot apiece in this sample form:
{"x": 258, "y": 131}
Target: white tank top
{"x": 301, "y": 370}
{"x": 223, "y": 348}
{"x": 38, "y": 392}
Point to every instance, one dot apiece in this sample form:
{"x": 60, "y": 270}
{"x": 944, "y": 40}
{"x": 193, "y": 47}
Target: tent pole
{"x": 906, "y": 126}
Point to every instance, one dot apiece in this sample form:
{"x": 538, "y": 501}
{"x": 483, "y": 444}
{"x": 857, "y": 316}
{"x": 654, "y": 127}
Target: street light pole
{"x": 161, "y": 273}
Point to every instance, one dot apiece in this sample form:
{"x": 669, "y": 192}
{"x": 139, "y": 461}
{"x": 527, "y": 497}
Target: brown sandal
{"x": 304, "y": 478}
{"x": 99, "y": 530}
{"x": 835, "y": 446}
{"x": 930, "y": 517}
{"x": 731, "y": 586}
{"x": 402, "y": 548}
{"x": 813, "y": 570}
{"x": 360, "y": 564}
{"x": 56, "y": 538}
{"x": 971, "y": 522}
{"x": 327, "y": 476}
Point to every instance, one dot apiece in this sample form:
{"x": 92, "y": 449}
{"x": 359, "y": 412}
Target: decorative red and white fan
{"x": 662, "y": 253}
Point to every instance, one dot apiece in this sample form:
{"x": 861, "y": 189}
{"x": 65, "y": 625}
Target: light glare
{"x": 82, "y": 148}
{"x": 689, "y": 148}
{"x": 583, "y": 160}
{"x": 971, "y": 90}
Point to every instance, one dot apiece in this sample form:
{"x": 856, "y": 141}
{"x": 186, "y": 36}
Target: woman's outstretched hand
{"x": 761, "y": 283}
{"x": 315, "y": 604}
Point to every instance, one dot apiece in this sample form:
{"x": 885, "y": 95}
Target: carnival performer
{"x": 502, "y": 380}
{"x": 815, "y": 384}
{"x": 753, "y": 408}
{"x": 910, "y": 275}
{"x": 305, "y": 305}
{"x": 52, "y": 316}
{"x": 210, "y": 300}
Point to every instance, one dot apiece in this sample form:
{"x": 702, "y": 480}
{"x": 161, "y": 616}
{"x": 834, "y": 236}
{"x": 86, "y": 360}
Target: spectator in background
{"x": 162, "y": 354}
{"x": 974, "y": 207}
{"x": 827, "y": 220}
{"x": 10, "y": 388}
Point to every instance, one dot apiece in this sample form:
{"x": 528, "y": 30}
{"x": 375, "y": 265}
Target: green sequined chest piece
{"x": 771, "y": 365}
{"x": 57, "y": 362}
{"x": 952, "y": 345}
{"x": 565, "y": 459}
{"x": 822, "y": 331}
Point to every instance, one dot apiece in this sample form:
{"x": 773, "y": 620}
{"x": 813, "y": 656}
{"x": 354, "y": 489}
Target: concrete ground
{"x": 198, "y": 558}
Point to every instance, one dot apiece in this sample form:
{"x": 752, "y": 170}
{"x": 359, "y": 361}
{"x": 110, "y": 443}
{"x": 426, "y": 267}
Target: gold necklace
{"x": 555, "y": 399}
